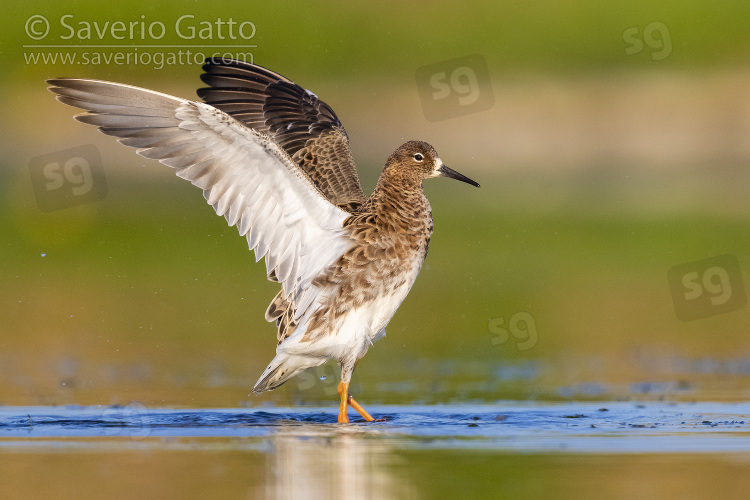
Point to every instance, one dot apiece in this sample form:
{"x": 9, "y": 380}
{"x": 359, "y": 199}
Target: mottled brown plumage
{"x": 275, "y": 161}
{"x": 391, "y": 233}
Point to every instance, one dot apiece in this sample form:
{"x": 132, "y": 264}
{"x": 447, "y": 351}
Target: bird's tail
{"x": 283, "y": 367}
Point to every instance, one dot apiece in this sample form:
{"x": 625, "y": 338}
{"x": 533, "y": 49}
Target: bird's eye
{"x": 418, "y": 157}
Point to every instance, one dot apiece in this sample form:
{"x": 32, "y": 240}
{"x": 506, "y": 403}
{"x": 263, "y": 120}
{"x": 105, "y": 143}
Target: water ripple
{"x": 613, "y": 426}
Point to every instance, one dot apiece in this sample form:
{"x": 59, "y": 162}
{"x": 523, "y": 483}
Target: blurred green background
{"x": 615, "y": 148}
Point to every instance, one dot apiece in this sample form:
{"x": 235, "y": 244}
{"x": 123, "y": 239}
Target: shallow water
{"x": 618, "y": 427}
{"x": 507, "y": 449}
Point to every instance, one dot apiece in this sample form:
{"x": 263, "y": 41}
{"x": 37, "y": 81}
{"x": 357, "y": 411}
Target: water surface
{"x": 507, "y": 449}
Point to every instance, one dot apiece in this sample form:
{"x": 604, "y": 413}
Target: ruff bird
{"x": 275, "y": 161}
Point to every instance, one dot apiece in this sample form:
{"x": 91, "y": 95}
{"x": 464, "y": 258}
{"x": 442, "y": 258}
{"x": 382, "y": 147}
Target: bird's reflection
{"x": 318, "y": 462}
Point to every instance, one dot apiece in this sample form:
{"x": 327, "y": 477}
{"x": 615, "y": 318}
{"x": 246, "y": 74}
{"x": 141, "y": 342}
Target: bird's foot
{"x": 348, "y": 400}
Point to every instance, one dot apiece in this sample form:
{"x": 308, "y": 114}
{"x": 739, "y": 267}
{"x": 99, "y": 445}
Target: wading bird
{"x": 275, "y": 161}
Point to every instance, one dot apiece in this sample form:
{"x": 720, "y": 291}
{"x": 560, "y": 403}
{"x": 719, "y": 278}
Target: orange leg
{"x": 343, "y": 392}
{"x": 347, "y": 399}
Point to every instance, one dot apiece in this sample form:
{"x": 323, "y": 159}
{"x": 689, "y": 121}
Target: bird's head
{"x": 419, "y": 160}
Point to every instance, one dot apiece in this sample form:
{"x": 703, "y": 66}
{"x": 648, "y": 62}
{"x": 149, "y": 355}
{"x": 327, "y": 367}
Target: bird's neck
{"x": 399, "y": 195}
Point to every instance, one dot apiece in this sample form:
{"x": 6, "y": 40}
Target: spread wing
{"x": 244, "y": 174}
{"x": 304, "y": 126}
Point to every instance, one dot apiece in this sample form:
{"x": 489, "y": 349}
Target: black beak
{"x": 447, "y": 172}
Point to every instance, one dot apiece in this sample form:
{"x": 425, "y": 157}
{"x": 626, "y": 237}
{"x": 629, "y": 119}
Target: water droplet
{"x": 323, "y": 377}
{"x": 44, "y": 255}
